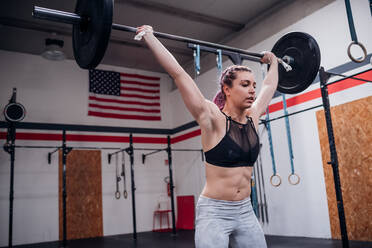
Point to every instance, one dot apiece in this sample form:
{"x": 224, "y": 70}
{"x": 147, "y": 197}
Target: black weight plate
{"x": 304, "y": 49}
{"x": 90, "y": 38}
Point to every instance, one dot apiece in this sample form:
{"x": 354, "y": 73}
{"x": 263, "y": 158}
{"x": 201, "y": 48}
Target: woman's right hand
{"x": 145, "y": 29}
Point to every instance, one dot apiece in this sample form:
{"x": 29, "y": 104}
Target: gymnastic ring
{"x": 271, "y": 180}
{"x": 295, "y": 182}
{"x": 125, "y": 194}
{"x": 117, "y": 194}
{"x": 361, "y": 47}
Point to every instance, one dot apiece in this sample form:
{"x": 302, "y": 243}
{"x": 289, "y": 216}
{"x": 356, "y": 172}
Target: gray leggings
{"x": 218, "y": 221}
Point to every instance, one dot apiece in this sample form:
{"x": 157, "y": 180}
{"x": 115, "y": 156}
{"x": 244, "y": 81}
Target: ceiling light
{"x": 53, "y": 49}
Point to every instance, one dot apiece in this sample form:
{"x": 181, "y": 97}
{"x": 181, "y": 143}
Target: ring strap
{"x": 288, "y": 129}
{"x": 219, "y": 63}
{"x": 350, "y": 21}
{"x": 267, "y": 124}
{"x": 197, "y": 59}
{"x": 268, "y": 127}
{"x": 125, "y": 193}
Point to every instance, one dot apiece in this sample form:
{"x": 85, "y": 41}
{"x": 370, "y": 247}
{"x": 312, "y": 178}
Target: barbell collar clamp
{"x": 286, "y": 66}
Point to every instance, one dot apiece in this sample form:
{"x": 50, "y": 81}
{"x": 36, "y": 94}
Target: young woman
{"x": 230, "y": 142}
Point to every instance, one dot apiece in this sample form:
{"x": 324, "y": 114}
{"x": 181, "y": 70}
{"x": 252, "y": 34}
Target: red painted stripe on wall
{"x": 186, "y": 136}
{"x": 101, "y": 138}
{"x": 85, "y": 138}
{"x": 314, "y": 94}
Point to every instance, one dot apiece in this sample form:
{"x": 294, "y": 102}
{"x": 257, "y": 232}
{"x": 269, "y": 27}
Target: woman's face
{"x": 243, "y": 91}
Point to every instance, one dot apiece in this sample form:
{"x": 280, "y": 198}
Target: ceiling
{"x": 208, "y": 20}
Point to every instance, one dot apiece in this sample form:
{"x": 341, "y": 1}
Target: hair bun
{"x": 219, "y": 100}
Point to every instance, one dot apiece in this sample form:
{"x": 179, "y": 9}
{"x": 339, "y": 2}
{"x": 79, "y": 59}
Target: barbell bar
{"x": 74, "y": 19}
{"x": 92, "y": 23}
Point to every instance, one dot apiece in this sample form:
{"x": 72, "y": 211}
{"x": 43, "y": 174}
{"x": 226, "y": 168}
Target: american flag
{"x": 124, "y": 95}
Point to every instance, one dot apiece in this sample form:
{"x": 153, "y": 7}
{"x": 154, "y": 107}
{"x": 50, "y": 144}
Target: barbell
{"x": 92, "y": 24}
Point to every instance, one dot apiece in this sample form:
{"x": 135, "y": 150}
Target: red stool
{"x": 161, "y": 213}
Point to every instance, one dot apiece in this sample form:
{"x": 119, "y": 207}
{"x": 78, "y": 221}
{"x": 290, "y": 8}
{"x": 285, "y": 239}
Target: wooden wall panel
{"x": 84, "y": 195}
{"x": 352, "y": 124}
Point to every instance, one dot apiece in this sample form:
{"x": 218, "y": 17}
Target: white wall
{"x": 57, "y": 92}
{"x": 293, "y": 210}
{"x": 51, "y": 90}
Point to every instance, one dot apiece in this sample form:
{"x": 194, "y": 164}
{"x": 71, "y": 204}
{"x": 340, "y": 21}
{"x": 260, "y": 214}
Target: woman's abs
{"x": 230, "y": 184}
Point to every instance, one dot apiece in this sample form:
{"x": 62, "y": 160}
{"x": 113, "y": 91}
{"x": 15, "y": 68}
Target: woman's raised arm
{"x": 269, "y": 85}
{"x": 193, "y": 98}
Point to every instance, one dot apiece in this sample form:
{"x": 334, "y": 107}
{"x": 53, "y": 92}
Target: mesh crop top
{"x": 239, "y": 147}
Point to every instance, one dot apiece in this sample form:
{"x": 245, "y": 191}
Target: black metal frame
{"x": 262, "y": 121}
{"x": 324, "y": 77}
{"x": 9, "y": 147}
{"x": 65, "y": 152}
{"x": 169, "y": 151}
{"x": 130, "y": 150}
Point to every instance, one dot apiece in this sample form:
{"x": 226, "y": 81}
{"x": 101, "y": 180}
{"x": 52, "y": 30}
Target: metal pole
{"x": 334, "y": 161}
{"x": 9, "y": 147}
{"x": 65, "y": 151}
{"x": 130, "y": 153}
{"x": 169, "y": 151}
{"x": 11, "y": 195}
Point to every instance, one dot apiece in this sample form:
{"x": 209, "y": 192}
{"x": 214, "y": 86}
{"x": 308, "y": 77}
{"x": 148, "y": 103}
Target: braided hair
{"x": 227, "y": 78}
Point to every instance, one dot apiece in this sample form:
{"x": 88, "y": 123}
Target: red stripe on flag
{"x": 141, "y": 96}
{"x": 124, "y": 102}
{"x": 139, "y": 76}
{"x": 119, "y": 116}
{"x": 124, "y": 109}
{"x": 140, "y": 90}
{"x": 155, "y": 85}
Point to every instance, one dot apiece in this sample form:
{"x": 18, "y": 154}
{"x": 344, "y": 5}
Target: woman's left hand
{"x": 269, "y": 58}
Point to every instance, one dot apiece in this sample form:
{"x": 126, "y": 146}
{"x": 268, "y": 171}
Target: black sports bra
{"x": 239, "y": 147}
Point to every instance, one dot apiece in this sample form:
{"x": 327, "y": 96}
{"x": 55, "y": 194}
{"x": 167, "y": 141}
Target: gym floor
{"x": 185, "y": 239}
